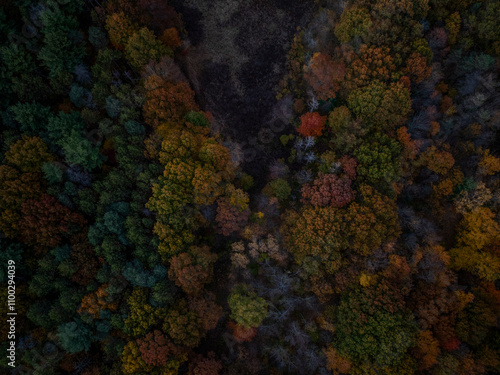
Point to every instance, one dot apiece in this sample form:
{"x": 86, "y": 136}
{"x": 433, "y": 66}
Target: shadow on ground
{"x": 236, "y": 59}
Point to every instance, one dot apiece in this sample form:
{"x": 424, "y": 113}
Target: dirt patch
{"x": 236, "y": 59}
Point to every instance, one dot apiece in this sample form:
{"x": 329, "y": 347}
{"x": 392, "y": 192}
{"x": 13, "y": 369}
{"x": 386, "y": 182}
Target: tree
{"x": 132, "y": 362}
{"x": 469, "y": 200}
{"x": 167, "y": 102}
{"x": 192, "y": 269}
{"x": 62, "y": 125}
{"x": 324, "y": 75}
{"x": 336, "y": 363}
{"x": 135, "y": 273}
{"x": 79, "y": 150}
{"x": 98, "y": 37}
{"x": 157, "y": 351}
{"x": 208, "y": 365}
{"x": 328, "y": 190}
{"x": 487, "y": 32}
{"x": 368, "y": 64}
{"x": 438, "y": 161}
{"x": 371, "y": 222}
{"x": 207, "y": 186}
{"x": 29, "y": 154}
{"x": 489, "y": 164}
{"x": 84, "y": 258}
{"x": 143, "y": 46}
{"x": 348, "y": 133}
{"x": 349, "y": 165}
{"x": 206, "y": 308}
{"x": 171, "y": 38}
{"x": 280, "y": 188}
{"x": 247, "y": 309}
{"x": 354, "y": 22}
{"x": 316, "y": 233}
{"x": 229, "y": 218}
{"x": 214, "y": 155}
{"x": 120, "y": 28}
{"x": 45, "y": 222}
{"x": 16, "y": 188}
{"x": 417, "y": 68}
{"x": 311, "y": 124}
{"x": 183, "y": 326}
{"x": 374, "y": 325}
{"x": 61, "y": 50}
{"x": 94, "y": 302}
{"x": 32, "y": 117}
{"x": 410, "y": 147}
{"x": 74, "y": 336}
{"x": 381, "y": 106}
{"x": 427, "y": 350}
{"x": 477, "y": 249}
{"x": 241, "y": 333}
{"x": 378, "y": 160}
{"x": 102, "y": 74}
{"x": 142, "y": 316}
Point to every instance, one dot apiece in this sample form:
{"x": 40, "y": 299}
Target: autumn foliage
{"x": 324, "y": 75}
{"x": 328, "y": 190}
{"x": 193, "y": 269}
{"x": 311, "y": 124}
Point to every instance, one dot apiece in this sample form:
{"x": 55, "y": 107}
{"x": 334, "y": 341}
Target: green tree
{"x": 79, "y": 150}
{"x": 381, "y": 106}
{"x": 61, "y": 50}
{"x": 354, "y": 22}
{"x": 378, "y": 159}
{"x": 143, "y": 46}
{"x": 32, "y": 117}
{"x": 74, "y": 336}
{"x": 280, "y": 189}
{"x": 348, "y": 133}
{"x": 373, "y": 325}
{"x": 247, "y": 309}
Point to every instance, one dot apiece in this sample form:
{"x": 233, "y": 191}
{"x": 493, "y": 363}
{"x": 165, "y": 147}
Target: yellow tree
{"x": 478, "y": 245}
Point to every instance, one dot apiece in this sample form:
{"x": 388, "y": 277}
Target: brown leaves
{"x": 324, "y": 75}
{"x": 328, "y": 190}
{"x": 311, "y": 124}
{"x": 193, "y": 269}
{"x": 46, "y": 222}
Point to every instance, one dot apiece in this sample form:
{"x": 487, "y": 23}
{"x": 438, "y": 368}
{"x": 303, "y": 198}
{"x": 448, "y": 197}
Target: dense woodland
{"x": 144, "y": 244}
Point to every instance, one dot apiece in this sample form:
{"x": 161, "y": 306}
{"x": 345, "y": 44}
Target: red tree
{"x": 240, "y": 333}
{"x": 201, "y": 365}
{"x": 328, "y": 190}
{"x": 311, "y": 124}
{"x": 349, "y": 165}
{"x": 84, "y": 257}
{"x": 324, "y": 75}
{"x": 155, "y": 349}
{"x": 45, "y": 222}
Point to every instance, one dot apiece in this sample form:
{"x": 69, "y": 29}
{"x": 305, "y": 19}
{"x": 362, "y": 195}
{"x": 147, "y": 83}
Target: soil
{"x": 235, "y": 62}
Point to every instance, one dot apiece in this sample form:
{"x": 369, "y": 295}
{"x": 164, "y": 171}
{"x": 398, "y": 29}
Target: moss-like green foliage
{"x": 247, "y": 309}
{"x": 378, "y": 159}
{"x": 74, "y": 336}
{"x": 281, "y": 189}
{"x": 373, "y": 325}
